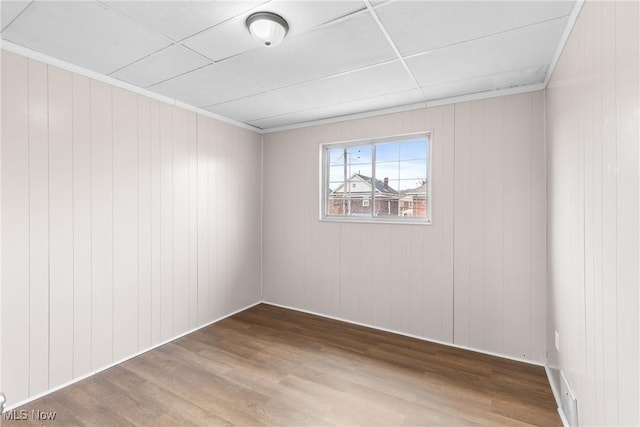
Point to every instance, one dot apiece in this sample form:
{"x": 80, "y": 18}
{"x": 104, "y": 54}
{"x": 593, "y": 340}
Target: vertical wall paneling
{"x": 222, "y": 165}
{"x": 82, "y": 315}
{"x": 591, "y": 107}
{"x": 433, "y": 278}
{"x": 61, "y": 281}
{"x": 595, "y": 127}
{"x": 463, "y": 214}
{"x": 212, "y": 208}
{"x": 477, "y": 187}
{"x": 538, "y": 263}
{"x": 391, "y": 276}
{"x": 202, "y": 147}
{"x": 15, "y": 227}
{"x": 145, "y": 235}
{"x": 180, "y": 221}
{"x": 38, "y": 228}
{"x": 517, "y": 225}
{"x": 115, "y": 209}
{"x": 493, "y": 245}
{"x": 156, "y": 221}
{"x": 101, "y": 226}
{"x": 166, "y": 221}
{"x": 499, "y": 226}
{"x": 192, "y": 220}
{"x": 446, "y": 165}
{"x": 627, "y": 216}
{"x": 230, "y": 181}
{"x": 609, "y": 225}
{"x": 125, "y": 223}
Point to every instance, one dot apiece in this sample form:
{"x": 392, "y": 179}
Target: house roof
{"x": 421, "y": 189}
{"x": 380, "y": 187}
{"x": 379, "y": 184}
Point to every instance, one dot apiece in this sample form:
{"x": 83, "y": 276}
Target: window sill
{"x": 386, "y": 221}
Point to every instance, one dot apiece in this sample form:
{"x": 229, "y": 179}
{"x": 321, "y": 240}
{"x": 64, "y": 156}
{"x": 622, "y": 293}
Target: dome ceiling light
{"x": 267, "y": 29}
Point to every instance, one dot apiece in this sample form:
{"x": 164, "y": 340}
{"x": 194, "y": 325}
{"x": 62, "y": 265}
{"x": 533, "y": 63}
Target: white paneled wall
{"x": 475, "y": 278}
{"x": 592, "y": 116}
{"x": 125, "y": 222}
{"x": 398, "y": 277}
{"x": 499, "y": 230}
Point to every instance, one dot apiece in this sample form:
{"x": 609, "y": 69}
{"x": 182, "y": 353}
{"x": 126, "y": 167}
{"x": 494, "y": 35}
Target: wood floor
{"x": 271, "y": 366}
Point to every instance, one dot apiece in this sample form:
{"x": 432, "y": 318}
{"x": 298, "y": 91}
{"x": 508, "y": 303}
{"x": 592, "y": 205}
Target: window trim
{"x": 371, "y": 219}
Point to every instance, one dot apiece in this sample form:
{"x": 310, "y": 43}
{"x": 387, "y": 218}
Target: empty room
{"x": 315, "y": 213}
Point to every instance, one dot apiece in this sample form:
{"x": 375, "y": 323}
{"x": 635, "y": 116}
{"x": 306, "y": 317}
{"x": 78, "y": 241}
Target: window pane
{"x": 413, "y": 149}
{"x": 352, "y": 199}
{"x": 387, "y": 170}
{"x": 386, "y": 197}
{"x": 335, "y": 156}
{"x": 355, "y": 155}
{"x": 413, "y": 198}
{"x": 337, "y": 173}
{"x": 398, "y": 189}
{"x": 388, "y": 152}
{"x": 386, "y": 206}
{"x": 413, "y": 169}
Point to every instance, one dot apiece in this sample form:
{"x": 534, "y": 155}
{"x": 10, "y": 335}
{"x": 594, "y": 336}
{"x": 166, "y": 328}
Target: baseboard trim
{"x": 92, "y": 373}
{"x": 462, "y": 347}
{"x": 556, "y": 396}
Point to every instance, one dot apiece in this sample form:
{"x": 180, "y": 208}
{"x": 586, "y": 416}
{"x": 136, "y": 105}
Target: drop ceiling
{"x": 339, "y": 58}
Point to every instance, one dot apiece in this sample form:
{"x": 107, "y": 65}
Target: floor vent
{"x": 568, "y": 403}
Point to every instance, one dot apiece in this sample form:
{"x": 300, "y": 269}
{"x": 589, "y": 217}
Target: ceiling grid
{"x": 340, "y": 58}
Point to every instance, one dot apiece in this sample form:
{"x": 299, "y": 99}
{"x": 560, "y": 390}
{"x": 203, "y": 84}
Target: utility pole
{"x": 345, "y": 185}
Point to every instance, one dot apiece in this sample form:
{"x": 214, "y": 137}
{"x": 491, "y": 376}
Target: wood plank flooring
{"x": 272, "y": 366}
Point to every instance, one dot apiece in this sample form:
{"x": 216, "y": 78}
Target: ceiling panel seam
{"x": 17, "y": 16}
{"x": 223, "y": 21}
{"x": 414, "y": 55}
{"x": 330, "y": 76}
{"x": 393, "y": 46}
{"x": 303, "y": 110}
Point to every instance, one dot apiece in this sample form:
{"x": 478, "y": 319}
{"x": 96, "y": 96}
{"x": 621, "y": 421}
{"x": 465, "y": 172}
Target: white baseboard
{"x": 477, "y": 350}
{"x": 556, "y": 396}
{"x": 85, "y": 376}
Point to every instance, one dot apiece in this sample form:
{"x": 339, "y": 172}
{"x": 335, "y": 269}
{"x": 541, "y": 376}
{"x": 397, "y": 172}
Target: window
{"x": 379, "y": 180}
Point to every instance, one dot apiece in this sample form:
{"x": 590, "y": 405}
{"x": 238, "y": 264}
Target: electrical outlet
{"x": 557, "y": 341}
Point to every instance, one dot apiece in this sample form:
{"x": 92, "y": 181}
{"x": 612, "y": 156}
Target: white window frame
{"x": 324, "y": 181}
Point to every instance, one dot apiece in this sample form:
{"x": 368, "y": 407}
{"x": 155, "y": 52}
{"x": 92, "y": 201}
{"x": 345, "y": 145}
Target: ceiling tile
{"x": 347, "y": 45}
{"x": 304, "y": 15}
{"x": 206, "y": 86}
{"x": 420, "y": 26}
{"x": 486, "y": 83}
{"x": 232, "y": 37}
{"x": 254, "y": 106}
{"x": 361, "y": 84}
{"x": 83, "y": 33}
{"x": 181, "y": 19}
{"x": 9, "y": 10}
{"x": 514, "y": 50}
{"x": 224, "y": 40}
{"x": 361, "y": 106}
{"x": 170, "y": 62}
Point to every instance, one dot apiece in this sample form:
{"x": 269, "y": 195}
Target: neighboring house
{"x": 355, "y": 198}
{"x": 414, "y": 202}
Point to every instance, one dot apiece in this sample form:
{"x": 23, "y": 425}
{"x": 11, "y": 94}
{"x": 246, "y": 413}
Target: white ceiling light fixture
{"x": 267, "y": 29}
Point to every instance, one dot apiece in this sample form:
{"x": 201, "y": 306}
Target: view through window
{"x": 385, "y": 179}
